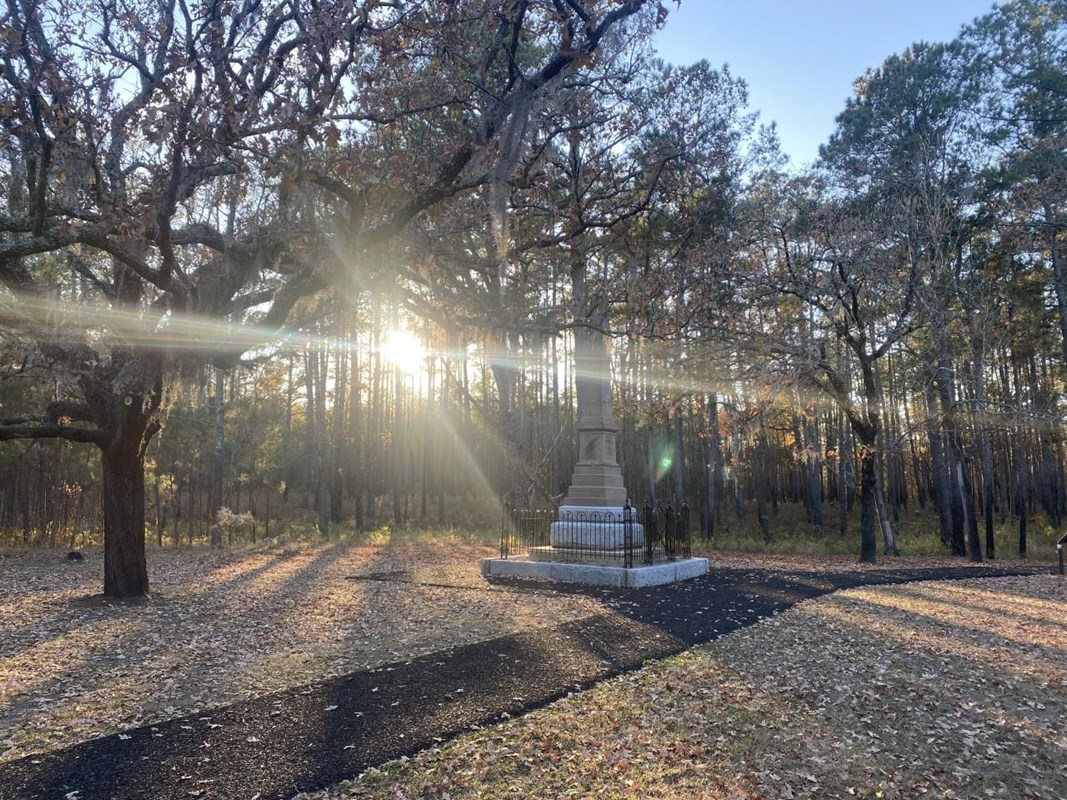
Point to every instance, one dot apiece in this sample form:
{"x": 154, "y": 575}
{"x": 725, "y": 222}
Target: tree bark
{"x": 844, "y": 480}
{"x": 868, "y": 504}
{"x": 1021, "y": 493}
{"x": 714, "y": 466}
{"x": 505, "y": 376}
{"x": 1059, "y": 282}
{"x": 889, "y": 539}
{"x": 940, "y": 473}
{"x": 679, "y": 459}
{"x": 335, "y": 455}
{"x": 974, "y": 544}
{"x": 125, "y": 566}
{"x": 760, "y": 469}
{"x": 812, "y": 468}
{"x": 986, "y": 449}
{"x": 217, "y": 461}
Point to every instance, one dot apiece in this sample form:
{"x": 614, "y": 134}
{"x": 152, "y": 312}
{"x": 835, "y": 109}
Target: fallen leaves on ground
{"x": 948, "y": 690}
{"x": 223, "y": 626}
{"x": 945, "y": 690}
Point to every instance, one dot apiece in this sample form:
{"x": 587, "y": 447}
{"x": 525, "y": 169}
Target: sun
{"x": 403, "y": 350}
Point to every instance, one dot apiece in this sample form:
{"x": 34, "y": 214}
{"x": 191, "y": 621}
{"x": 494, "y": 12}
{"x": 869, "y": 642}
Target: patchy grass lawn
{"x": 948, "y": 690}
{"x": 940, "y": 690}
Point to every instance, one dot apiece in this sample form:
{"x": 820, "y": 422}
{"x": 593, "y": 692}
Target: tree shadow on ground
{"x": 313, "y": 736}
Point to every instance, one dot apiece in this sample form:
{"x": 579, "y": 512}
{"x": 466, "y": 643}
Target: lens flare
{"x": 403, "y": 350}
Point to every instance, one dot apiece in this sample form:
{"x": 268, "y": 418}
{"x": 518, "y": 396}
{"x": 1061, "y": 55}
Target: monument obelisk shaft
{"x": 597, "y": 480}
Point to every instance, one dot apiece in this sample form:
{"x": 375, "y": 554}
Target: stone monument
{"x": 594, "y": 513}
{"x": 596, "y": 527}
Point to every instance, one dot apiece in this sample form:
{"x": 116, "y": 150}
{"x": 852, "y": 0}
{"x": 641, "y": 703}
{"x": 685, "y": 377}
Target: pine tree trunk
{"x": 1021, "y": 487}
{"x": 311, "y": 434}
{"x": 953, "y": 449}
{"x": 217, "y": 461}
{"x": 337, "y": 439}
{"x": 679, "y": 459}
{"x": 889, "y": 539}
{"x": 939, "y": 469}
{"x": 919, "y": 474}
{"x": 1048, "y": 490}
{"x": 974, "y": 544}
{"x": 844, "y": 499}
{"x": 986, "y": 450}
{"x": 287, "y": 448}
{"x": 323, "y": 485}
{"x": 813, "y": 472}
{"x": 505, "y": 377}
{"x": 1059, "y": 282}
{"x": 396, "y": 458}
{"x": 714, "y": 466}
{"x": 868, "y": 504}
{"x": 357, "y": 445}
{"x": 761, "y": 483}
{"x": 161, "y": 517}
{"x": 650, "y": 467}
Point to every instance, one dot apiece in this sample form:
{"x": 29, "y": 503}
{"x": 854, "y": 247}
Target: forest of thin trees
{"x": 291, "y": 277}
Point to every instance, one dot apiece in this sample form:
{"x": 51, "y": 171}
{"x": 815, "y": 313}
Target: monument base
{"x": 596, "y": 574}
{"x": 593, "y": 528}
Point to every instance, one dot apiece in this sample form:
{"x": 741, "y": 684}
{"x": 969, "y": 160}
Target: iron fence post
{"x": 650, "y": 532}
{"x": 687, "y": 538}
{"x": 669, "y": 522}
{"x": 628, "y": 535}
{"x": 504, "y": 528}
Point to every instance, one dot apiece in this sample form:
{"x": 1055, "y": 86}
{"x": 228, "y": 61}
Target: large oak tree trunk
{"x": 125, "y": 569}
{"x": 868, "y": 430}
{"x": 132, "y": 419}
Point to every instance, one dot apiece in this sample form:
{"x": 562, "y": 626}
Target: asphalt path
{"x": 310, "y": 737}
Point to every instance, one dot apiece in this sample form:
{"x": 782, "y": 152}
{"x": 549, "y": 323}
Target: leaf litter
{"x": 928, "y": 689}
{"x": 935, "y": 689}
{"x": 224, "y": 626}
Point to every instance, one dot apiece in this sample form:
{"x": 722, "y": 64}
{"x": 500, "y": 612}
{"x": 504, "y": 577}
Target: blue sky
{"x": 800, "y": 57}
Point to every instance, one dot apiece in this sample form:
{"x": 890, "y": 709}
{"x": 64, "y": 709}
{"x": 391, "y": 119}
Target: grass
{"x": 916, "y": 533}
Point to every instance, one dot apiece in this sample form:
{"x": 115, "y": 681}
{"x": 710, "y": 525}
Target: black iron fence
{"x": 628, "y": 538}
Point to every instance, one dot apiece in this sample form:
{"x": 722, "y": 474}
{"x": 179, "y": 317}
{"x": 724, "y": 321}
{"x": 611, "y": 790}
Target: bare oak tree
{"x": 197, "y": 168}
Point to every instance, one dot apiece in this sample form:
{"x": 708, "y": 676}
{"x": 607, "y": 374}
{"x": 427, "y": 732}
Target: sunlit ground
{"x": 931, "y": 689}
{"x": 224, "y": 626}
{"x": 947, "y": 690}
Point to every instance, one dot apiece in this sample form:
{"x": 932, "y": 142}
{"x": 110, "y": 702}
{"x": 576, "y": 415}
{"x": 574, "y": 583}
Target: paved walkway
{"x": 307, "y": 738}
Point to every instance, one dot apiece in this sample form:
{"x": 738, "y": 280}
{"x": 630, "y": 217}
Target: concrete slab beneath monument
{"x": 633, "y": 578}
